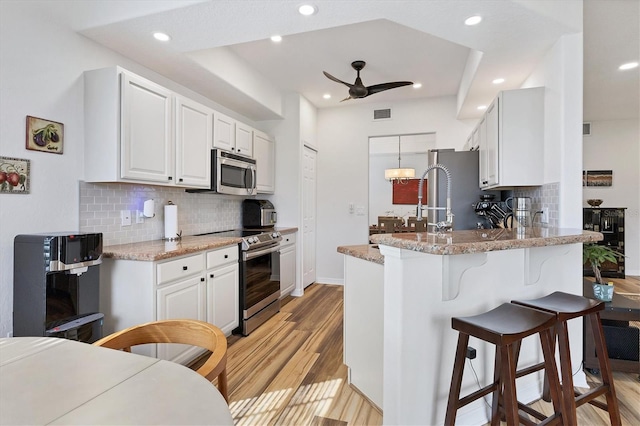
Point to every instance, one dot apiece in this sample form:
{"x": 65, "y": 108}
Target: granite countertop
{"x": 368, "y": 252}
{"x": 484, "y": 240}
{"x": 161, "y": 249}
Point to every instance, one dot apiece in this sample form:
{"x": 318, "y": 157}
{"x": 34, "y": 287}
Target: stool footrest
{"x": 588, "y": 397}
{"x": 529, "y": 370}
{"x": 477, "y": 394}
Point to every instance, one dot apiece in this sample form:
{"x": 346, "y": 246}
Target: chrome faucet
{"x": 447, "y": 224}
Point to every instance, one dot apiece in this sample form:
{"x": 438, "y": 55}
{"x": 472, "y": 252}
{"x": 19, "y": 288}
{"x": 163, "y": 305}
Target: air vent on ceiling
{"x": 382, "y": 114}
{"x": 586, "y": 129}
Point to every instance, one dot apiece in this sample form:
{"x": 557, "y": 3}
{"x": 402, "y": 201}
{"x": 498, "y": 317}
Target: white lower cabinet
{"x": 223, "y": 288}
{"x": 182, "y": 299}
{"x": 134, "y": 292}
{"x": 287, "y": 264}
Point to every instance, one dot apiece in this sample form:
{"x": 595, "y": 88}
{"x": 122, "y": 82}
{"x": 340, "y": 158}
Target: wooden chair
{"x": 417, "y": 226}
{"x": 185, "y": 331}
{"x": 387, "y": 225}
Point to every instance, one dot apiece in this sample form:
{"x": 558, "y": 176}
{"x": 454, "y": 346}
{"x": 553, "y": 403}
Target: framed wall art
{"x": 14, "y": 175}
{"x": 599, "y": 178}
{"x": 44, "y": 135}
{"x": 407, "y": 192}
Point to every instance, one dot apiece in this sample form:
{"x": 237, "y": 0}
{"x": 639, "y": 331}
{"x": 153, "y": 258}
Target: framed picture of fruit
{"x": 44, "y": 135}
{"x": 14, "y": 175}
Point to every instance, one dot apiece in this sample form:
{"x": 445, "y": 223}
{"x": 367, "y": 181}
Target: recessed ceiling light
{"x": 628, "y": 66}
{"x": 326, "y": 96}
{"x": 498, "y": 81}
{"x": 276, "y": 38}
{"x": 307, "y": 9}
{"x": 161, "y": 36}
{"x": 417, "y": 85}
{"x": 473, "y": 20}
{"x": 482, "y": 107}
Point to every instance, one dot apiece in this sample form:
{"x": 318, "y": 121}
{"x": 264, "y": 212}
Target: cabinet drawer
{"x": 288, "y": 239}
{"x": 222, "y": 256}
{"x": 179, "y": 268}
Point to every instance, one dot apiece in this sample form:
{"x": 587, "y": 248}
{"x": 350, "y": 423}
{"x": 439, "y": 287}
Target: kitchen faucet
{"x": 447, "y": 224}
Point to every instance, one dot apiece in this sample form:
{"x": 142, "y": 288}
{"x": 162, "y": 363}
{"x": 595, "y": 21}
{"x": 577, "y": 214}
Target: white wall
{"x": 343, "y": 134}
{"x": 615, "y": 145}
{"x": 41, "y": 75}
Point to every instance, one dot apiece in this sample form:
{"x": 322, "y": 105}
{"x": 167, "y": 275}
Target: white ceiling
{"x": 417, "y": 40}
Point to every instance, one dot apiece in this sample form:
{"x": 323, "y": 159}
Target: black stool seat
{"x": 505, "y": 327}
{"x": 566, "y": 307}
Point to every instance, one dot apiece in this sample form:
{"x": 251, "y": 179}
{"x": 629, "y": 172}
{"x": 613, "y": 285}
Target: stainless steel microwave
{"x": 232, "y": 174}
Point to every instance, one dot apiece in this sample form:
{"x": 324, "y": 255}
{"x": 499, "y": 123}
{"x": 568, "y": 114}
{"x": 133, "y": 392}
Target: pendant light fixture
{"x": 399, "y": 175}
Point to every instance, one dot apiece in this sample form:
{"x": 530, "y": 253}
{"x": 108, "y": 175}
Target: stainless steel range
{"x": 259, "y": 276}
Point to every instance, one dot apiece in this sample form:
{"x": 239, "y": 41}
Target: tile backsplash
{"x": 101, "y": 204}
{"x": 548, "y": 196}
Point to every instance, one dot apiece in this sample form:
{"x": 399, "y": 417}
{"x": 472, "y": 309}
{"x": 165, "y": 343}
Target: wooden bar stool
{"x": 565, "y": 307}
{"x": 504, "y": 326}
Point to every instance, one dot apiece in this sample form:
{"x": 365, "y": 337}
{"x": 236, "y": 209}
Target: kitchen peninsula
{"x": 430, "y": 278}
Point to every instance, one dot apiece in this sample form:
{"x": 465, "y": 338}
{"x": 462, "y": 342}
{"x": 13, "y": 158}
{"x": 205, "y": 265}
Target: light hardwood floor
{"x": 290, "y": 371}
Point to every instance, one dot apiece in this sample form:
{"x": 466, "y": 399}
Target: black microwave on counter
{"x": 231, "y": 174}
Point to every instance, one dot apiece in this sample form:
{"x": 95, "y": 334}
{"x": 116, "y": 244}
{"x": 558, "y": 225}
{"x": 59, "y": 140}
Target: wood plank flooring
{"x": 290, "y": 371}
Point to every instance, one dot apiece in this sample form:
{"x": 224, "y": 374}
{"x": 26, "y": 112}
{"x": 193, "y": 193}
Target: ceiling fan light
{"x": 398, "y": 174}
{"x": 628, "y": 66}
{"x": 473, "y": 20}
{"x": 307, "y": 9}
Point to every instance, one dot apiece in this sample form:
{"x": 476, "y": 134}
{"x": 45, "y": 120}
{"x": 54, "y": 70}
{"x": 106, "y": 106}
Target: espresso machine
{"x": 56, "y": 286}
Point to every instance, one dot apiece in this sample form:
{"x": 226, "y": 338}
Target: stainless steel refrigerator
{"x": 465, "y": 190}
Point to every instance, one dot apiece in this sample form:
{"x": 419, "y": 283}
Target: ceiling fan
{"x": 358, "y": 90}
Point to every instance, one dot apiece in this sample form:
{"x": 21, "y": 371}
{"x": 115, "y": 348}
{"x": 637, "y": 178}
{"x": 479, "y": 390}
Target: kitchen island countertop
{"x": 485, "y": 240}
{"x": 368, "y": 252}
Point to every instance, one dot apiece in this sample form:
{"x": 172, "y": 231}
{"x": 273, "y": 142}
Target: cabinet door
{"x": 224, "y": 131}
{"x": 264, "y": 153}
{"x": 194, "y": 135}
{"x": 481, "y": 134}
{"x": 492, "y": 143}
{"x": 146, "y": 132}
{"x": 244, "y": 140}
{"x": 183, "y": 299}
{"x": 223, "y": 288}
{"x": 287, "y": 269}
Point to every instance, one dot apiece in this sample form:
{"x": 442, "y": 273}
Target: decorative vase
{"x": 603, "y": 292}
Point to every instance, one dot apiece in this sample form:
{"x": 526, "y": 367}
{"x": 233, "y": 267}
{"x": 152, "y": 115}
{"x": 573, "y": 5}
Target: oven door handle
{"x": 248, "y": 255}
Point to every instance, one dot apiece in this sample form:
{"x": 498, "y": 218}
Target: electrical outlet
{"x": 139, "y": 216}
{"x": 544, "y": 217}
{"x": 360, "y": 210}
{"x": 125, "y": 215}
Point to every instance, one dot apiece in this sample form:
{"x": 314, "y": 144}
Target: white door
{"x": 309, "y": 217}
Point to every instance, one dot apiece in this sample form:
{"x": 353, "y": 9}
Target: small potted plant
{"x": 595, "y": 255}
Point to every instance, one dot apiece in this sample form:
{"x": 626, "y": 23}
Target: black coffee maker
{"x": 56, "y": 286}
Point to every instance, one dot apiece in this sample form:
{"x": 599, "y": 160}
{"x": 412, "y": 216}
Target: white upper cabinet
{"x": 265, "y": 155}
{"x": 129, "y": 132}
{"x": 233, "y": 136}
{"x": 511, "y": 140}
{"x": 147, "y": 145}
{"x": 194, "y": 133}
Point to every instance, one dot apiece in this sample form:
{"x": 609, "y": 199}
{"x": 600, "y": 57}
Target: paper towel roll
{"x": 171, "y": 221}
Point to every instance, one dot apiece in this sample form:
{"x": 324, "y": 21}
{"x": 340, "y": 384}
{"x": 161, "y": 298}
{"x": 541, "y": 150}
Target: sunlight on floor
{"x": 308, "y": 401}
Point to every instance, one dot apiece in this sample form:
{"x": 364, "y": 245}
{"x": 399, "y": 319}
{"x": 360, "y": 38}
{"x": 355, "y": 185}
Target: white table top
{"x": 46, "y": 380}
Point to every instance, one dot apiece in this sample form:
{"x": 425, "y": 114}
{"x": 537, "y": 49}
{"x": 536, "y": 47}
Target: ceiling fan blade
{"x": 346, "y": 99}
{"x": 376, "y": 88}
{"x": 330, "y": 77}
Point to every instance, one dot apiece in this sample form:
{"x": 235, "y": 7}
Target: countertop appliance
{"x": 259, "y": 276}
{"x": 231, "y": 174}
{"x": 56, "y": 286}
{"x": 465, "y": 187}
{"x": 258, "y": 214}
